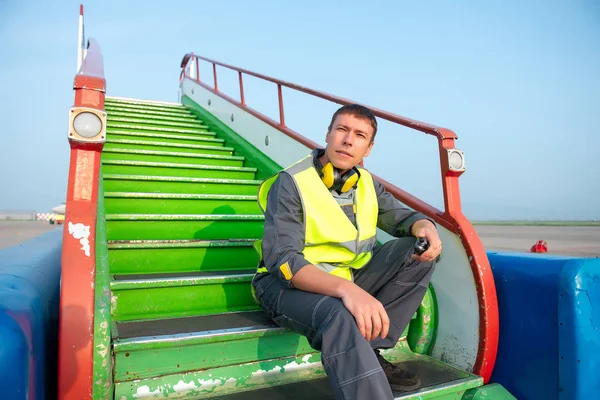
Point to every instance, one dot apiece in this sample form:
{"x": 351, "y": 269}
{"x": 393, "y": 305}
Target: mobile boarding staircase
{"x": 158, "y": 257}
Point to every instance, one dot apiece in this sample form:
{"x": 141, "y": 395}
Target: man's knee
{"x": 336, "y": 326}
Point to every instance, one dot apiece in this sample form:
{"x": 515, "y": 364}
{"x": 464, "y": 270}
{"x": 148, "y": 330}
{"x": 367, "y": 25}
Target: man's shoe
{"x": 398, "y": 378}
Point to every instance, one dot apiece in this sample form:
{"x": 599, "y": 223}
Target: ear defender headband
{"x": 334, "y": 180}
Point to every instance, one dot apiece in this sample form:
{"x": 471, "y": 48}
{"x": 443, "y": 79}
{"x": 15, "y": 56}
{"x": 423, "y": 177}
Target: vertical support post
{"x": 281, "y": 116}
{"x": 192, "y": 68}
{"x": 215, "y": 77}
{"x": 197, "y": 69}
{"x": 242, "y": 99}
{"x": 80, "y": 39}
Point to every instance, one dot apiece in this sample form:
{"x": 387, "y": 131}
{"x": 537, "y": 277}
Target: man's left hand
{"x": 425, "y": 229}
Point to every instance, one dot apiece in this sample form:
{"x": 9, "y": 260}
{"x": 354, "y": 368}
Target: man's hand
{"x": 425, "y": 229}
{"x": 370, "y": 316}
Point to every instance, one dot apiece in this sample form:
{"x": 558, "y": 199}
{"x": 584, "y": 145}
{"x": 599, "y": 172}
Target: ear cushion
{"x": 328, "y": 175}
{"x": 349, "y": 180}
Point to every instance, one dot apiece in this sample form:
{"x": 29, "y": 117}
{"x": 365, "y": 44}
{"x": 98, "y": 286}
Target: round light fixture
{"x": 87, "y": 125}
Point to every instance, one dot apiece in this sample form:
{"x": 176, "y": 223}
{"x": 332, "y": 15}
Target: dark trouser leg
{"x": 349, "y": 361}
{"x": 398, "y": 282}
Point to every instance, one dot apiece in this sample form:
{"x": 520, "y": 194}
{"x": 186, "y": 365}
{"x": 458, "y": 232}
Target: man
{"x": 322, "y": 273}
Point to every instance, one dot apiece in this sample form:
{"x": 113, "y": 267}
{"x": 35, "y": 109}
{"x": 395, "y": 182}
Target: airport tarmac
{"x": 562, "y": 240}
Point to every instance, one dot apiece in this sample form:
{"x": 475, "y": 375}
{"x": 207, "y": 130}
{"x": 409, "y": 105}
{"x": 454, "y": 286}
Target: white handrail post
{"x": 80, "y": 40}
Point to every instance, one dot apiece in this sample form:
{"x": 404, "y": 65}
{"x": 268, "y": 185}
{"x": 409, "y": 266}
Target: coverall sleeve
{"x": 394, "y": 218}
{"x": 284, "y": 232}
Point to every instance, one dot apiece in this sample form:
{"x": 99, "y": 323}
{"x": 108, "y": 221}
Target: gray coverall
{"x": 392, "y": 277}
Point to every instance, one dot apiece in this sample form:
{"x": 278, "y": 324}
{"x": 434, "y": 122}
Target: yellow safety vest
{"x": 330, "y": 237}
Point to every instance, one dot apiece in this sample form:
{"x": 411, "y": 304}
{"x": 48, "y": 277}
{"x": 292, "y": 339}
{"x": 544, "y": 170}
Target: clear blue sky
{"x": 518, "y": 81}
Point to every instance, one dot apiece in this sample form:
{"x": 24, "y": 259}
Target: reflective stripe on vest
{"x": 330, "y": 237}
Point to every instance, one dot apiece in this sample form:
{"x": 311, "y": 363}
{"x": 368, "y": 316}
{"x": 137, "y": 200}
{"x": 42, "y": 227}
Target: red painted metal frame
{"x": 76, "y": 326}
{"x": 452, "y": 218}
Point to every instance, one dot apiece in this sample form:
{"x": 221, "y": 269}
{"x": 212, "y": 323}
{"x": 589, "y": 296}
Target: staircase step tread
{"x": 178, "y": 165}
{"x": 170, "y": 144}
{"x": 187, "y": 325}
{"x": 182, "y": 196}
{"x": 179, "y": 275}
{"x": 166, "y": 244}
{"x": 225, "y": 181}
{"x": 119, "y": 104}
{"x": 184, "y": 217}
{"x": 157, "y": 129}
{"x": 138, "y": 120}
{"x": 195, "y": 137}
{"x": 164, "y": 113}
{"x": 175, "y": 279}
{"x": 434, "y": 378}
{"x": 127, "y": 100}
{"x": 157, "y": 117}
{"x": 171, "y": 153}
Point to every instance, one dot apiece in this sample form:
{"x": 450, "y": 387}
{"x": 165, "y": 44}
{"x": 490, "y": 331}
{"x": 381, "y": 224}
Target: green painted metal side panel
{"x": 191, "y": 204}
{"x": 102, "y": 380}
{"x": 493, "y": 391}
{"x": 120, "y": 183}
{"x": 423, "y": 328}
{"x": 176, "y": 169}
{"x": 166, "y": 229}
{"x": 181, "y": 259}
{"x": 137, "y": 364}
{"x": 266, "y": 166}
{"x": 181, "y": 301}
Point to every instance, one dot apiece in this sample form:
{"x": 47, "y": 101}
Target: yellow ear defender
{"x": 334, "y": 180}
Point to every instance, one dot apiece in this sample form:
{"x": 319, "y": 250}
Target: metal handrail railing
{"x": 451, "y": 218}
{"x": 77, "y": 328}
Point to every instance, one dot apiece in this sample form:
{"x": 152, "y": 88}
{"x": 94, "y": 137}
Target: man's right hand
{"x": 370, "y": 316}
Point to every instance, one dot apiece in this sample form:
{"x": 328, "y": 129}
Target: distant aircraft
{"x": 59, "y": 215}
{"x": 59, "y": 209}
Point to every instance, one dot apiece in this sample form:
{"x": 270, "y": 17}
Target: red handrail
{"x": 452, "y": 218}
{"x": 76, "y": 327}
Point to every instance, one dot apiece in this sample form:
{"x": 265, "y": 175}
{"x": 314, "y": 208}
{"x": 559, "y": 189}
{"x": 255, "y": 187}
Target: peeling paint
{"x": 181, "y": 386}
{"x": 82, "y": 233}
{"x": 144, "y": 391}
{"x": 113, "y": 303}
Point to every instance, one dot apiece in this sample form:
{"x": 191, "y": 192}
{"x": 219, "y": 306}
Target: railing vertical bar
{"x": 242, "y": 99}
{"x": 281, "y": 116}
{"x": 215, "y": 77}
{"x": 197, "y": 69}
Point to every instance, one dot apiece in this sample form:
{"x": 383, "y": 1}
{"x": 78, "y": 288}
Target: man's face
{"x": 348, "y": 141}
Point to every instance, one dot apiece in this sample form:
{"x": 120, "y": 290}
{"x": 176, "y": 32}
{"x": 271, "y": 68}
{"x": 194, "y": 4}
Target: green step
{"x": 173, "y": 184}
{"x": 143, "y": 128}
{"x": 156, "y": 105}
{"x": 135, "y": 108}
{"x": 153, "y": 117}
{"x": 179, "y": 203}
{"x": 171, "y": 157}
{"x": 152, "y": 348}
{"x": 164, "y": 137}
{"x": 221, "y": 381}
{"x": 180, "y": 170}
{"x": 167, "y": 146}
{"x": 173, "y": 256}
{"x": 117, "y": 100}
{"x": 143, "y": 297}
{"x": 150, "y": 113}
{"x": 183, "y": 226}
{"x": 145, "y": 121}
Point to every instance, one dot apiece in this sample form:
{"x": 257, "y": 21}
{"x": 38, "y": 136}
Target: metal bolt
{"x": 232, "y": 118}
{"x": 267, "y": 140}
{"x": 209, "y": 102}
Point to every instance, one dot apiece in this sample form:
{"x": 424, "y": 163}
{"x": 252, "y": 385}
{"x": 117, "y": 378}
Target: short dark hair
{"x": 357, "y": 111}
